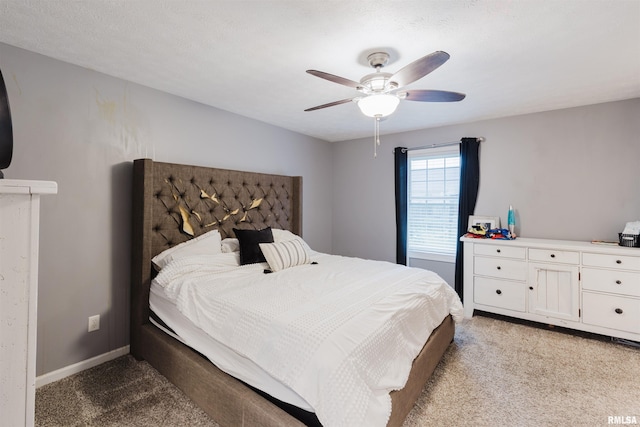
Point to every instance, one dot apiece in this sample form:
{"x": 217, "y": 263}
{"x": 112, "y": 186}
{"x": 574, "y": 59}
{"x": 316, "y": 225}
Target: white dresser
{"x": 578, "y": 285}
{"x": 19, "y": 223}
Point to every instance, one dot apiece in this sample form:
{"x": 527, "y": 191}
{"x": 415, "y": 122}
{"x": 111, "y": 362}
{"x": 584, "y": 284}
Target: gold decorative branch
{"x": 186, "y": 211}
{"x": 186, "y": 226}
{"x": 204, "y": 195}
{"x": 254, "y": 204}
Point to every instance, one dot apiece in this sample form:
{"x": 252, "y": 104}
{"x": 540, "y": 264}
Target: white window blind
{"x": 433, "y": 193}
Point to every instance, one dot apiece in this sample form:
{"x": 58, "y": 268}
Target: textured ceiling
{"x": 250, "y": 57}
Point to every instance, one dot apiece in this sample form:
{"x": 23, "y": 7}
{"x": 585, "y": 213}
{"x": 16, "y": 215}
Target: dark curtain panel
{"x": 469, "y": 182}
{"x": 400, "y": 163}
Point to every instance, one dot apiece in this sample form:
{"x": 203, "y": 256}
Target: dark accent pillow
{"x": 249, "y": 240}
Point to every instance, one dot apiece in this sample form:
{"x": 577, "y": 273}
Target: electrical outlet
{"x": 94, "y": 323}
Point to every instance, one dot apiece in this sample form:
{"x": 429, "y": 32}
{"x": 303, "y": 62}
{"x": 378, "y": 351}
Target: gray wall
{"x": 82, "y": 129}
{"x": 570, "y": 174}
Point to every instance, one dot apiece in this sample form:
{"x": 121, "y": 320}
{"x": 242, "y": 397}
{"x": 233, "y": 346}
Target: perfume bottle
{"x": 511, "y": 221}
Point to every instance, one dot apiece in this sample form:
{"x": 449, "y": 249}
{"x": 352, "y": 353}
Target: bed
{"x": 175, "y": 203}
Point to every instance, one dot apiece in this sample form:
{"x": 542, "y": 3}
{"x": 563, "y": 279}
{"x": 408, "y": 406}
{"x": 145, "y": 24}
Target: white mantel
{"x": 21, "y": 186}
{"x": 19, "y": 229}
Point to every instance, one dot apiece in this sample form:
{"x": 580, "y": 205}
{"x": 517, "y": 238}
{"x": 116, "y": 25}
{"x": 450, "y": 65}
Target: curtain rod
{"x": 442, "y": 144}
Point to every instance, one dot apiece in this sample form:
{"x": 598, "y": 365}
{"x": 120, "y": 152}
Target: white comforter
{"x": 342, "y": 333}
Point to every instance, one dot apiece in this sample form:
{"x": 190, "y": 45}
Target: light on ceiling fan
{"x": 378, "y": 105}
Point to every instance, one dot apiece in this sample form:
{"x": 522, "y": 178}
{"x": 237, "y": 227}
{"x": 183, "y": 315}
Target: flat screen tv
{"x": 6, "y": 130}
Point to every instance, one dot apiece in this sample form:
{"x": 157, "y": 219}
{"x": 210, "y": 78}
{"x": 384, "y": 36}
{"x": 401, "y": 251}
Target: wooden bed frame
{"x": 172, "y": 201}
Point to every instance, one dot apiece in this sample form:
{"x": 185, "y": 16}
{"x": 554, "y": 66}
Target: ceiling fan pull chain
{"x": 376, "y": 135}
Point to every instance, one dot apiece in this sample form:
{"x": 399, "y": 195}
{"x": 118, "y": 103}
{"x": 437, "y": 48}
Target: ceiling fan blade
{"x": 434, "y": 96}
{"x": 420, "y": 68}
{"x": 335, "y": 79}
{"x": 331, "y": 104}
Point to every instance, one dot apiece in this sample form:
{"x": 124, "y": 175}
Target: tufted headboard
{"x": 173, "y": 203}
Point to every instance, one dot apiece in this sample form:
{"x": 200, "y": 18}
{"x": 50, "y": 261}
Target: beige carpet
{"x": 496, "y": 373}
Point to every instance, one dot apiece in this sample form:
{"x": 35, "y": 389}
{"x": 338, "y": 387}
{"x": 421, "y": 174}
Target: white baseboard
{"x": 80, "y": 366}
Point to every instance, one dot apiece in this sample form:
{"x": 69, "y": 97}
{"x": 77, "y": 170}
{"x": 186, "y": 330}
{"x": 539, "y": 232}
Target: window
{"x": 433, "y": 193}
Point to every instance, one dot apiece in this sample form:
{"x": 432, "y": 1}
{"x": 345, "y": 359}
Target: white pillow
{"x": 205, "y": 244}
{"x": 230, "y": 244}
{"x": 283, "y": 235}
{"x": 286, "y": 236}
{"x": 285, "y": 254}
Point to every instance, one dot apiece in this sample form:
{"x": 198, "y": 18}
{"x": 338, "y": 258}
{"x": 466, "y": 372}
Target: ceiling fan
{"x": 380, "y": 92}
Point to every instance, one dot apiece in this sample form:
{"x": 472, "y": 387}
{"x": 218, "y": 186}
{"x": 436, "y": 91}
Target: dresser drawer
{"x": 501, "y": 251}
{"x": 499, "y": 293}
{"x": 500, "y": 268}
{"x": 611, "y": 311}
{"x": 612, "y": 281}
{"x": 612, "y": 261}
{"x": 550, "y": 255}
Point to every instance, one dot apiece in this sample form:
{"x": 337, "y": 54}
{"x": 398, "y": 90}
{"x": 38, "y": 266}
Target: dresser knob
{"x": 618, "y": 310}
{"x": 553, "y": 255}
{"x": 618, "y": 261}
{"x": 618, "y": 282}
{"x": 498, "y": 250}
{"x": 498, "y": 291}
{"x": 499, "y": 268}
{"x": 530, "y": 288}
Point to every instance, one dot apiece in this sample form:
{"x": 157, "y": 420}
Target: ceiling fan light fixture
{"x": 380, "y": 97}
{"x": 378, "y": 105}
